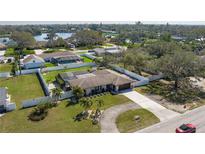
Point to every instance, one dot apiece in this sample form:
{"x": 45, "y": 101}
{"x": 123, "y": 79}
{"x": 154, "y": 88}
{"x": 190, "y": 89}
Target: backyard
{"x": 50, "y": 76}
{"x": 126, "y": 122}
{"x": 22, "y": 88}
{"x": 59, "y": 119}
{"x": 86, "y": 59}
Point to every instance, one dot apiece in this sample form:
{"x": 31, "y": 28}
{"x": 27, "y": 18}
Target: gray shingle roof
{"x": 57, "y": 54}
{"x": 102, "y": 77}
{"x": 32, "y": 57}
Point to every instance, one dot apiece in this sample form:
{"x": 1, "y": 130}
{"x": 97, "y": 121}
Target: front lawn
{"x": 22, "y": 88}
{"x": 59, "y": 119}
{"x": 126, "y": 122}
{"x": 5, "y": 67}
{"x": 50, "y": 76}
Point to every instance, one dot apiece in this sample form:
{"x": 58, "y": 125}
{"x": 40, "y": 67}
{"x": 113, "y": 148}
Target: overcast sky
{"x": 108, "y": 11}
{"x": 104, "y": 22}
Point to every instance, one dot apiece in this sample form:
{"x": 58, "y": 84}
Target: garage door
{"x": 124, "y": 86}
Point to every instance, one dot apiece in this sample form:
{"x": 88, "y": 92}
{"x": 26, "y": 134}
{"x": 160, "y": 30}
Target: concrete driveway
{"x": 109, "y": 116}
{"x": 161, "y": 112}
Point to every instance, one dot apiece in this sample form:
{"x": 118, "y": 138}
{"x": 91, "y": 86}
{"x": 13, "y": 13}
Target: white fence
{"x": 128, "y": 73}
{"x": 140, "y": 83}
{"x": 10, "y": 106}
{"x": 28, "y": 71}
{"x": 89, "y": 56}
{"x": 4, "y": 74}
{"x": 66, "y": 95}
{"x": 56, "y": 68}
{"x": 43, "y": 83}
{"x": 68, "y": 66}
{"x": 156, "y": 77}
{"x": 36, "y": 101}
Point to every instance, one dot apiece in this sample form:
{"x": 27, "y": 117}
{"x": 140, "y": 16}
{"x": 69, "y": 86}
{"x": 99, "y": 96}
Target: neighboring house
{"x": 61, "y": 57}
{"x": 110, "y": 50}
{"x": 113, "y": 50}
{"x": 2, "y": 46}
{"x": 99, "y": 51}
{"x": 5, "y": 104}
{"x": 33, "y": 61}
{"x": 96, "y": 81}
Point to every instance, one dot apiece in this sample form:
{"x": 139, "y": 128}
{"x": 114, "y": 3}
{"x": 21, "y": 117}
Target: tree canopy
{"x": 179, "y": 66}
{"x": 87, "y": 38}
{"x": 23, "y": 39}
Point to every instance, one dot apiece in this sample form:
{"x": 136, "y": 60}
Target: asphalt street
{"x": 196, "y": 117}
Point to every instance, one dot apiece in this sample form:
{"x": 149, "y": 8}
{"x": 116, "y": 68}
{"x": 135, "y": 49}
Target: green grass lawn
{"x": 22, "y": 88}
{"x": 59, "y": 119}
{"x": 126, "y": 122}
{"x": 80, "y": 53}
{"x": 49, "y": 64}
{"x": 86, "y": 59}
{"x": 50, "y": 76}
{"x": 9, "y": 52}
{"x": 5, "y": 67}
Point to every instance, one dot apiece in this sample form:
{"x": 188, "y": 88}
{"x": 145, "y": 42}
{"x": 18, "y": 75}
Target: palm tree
{"x": 14, "y": 68}
{"x": 78, "y": 93}
{"x": 86, "y": 103}
{"x": 56, "y": 94}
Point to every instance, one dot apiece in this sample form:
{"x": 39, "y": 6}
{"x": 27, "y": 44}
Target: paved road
{"x": 196, "y": 117}
{"x": 109, "y": 116}
{"x": 161, "y": 112}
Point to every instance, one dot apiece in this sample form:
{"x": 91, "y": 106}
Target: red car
{"x": 186, "y": 128}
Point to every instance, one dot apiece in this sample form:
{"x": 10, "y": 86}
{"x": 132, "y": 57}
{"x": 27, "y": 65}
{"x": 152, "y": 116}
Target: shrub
{"x": 41, "y": 111}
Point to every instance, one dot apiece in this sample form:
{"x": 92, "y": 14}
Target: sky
{"x": 104, "y": 22}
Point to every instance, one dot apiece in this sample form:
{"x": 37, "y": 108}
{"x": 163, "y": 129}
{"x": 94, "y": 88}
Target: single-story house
{"x": 110, "y": 50}
{"x": 61, "y": 57}
{"x": 99, "y": 51}
{"x": 95, "y": 82}
{"x": 33, "y": 61}
{"x": 5, "y": 104}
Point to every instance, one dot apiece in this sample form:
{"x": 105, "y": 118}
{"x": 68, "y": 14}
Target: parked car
{"x": 186, "y": 128}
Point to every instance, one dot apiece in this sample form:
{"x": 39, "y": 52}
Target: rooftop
{"x": 32, "y": 57}
{"x": 57, "y": 54}
{"x": 97, "y": 78}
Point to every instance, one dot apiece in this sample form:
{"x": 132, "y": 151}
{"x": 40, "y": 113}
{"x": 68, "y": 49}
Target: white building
{"x": 33, "y": 61}
{"x": 5, "y": 104}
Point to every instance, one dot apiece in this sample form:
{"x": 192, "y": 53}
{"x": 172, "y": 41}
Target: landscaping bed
{"x": 59, "y": 119}
{"x": 127, "y": 122}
